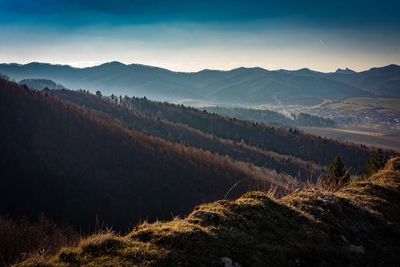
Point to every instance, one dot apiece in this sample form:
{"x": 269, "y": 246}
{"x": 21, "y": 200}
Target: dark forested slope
{"x": 71, "y": 164}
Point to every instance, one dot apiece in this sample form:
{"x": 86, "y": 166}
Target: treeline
{"x": 72, "y": 164}
{"x": 271, "y": 117}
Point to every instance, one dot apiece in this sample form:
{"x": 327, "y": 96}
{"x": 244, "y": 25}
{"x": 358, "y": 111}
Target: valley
{"x": 368, "y": 121}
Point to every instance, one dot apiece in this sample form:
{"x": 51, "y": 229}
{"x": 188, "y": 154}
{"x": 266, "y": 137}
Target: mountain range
{"x": 237, "y": 86}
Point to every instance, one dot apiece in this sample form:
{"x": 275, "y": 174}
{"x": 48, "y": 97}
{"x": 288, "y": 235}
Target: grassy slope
{"x": 386, "y": 104}
{"x": 357, "y": 225}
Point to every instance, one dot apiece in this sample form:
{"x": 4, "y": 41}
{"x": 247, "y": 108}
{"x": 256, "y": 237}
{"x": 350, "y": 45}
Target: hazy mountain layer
{"x": 242, "y": 85}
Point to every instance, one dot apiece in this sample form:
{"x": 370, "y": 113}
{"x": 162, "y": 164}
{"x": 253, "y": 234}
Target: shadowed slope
{"x": 357, "y": 225}
{"x": 74, "y": 165}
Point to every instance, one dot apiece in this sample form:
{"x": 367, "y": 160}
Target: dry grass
{"x": 356, "y": 225}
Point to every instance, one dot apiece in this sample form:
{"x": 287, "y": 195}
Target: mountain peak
{"x": 113, "y": 63}
{"x": 385, "y": 70}
{"x": 304, "y": 69}
{"x": 345, "y": 71}
{"x": 391, "y": 67}
{"x": 249, "y": 69}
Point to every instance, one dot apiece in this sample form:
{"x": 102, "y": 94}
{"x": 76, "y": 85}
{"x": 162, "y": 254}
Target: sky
{"x": 202, "y": 34}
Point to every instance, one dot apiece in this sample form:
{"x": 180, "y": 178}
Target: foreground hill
{"x": 241, "y": 85}
{"x": 359, "y": 225}
{"x": 73, "y": 165}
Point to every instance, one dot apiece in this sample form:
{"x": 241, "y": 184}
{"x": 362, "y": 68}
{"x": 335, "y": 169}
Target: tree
{"x": 337, "y": 175}
{"x": 376, "y": 162}
{"x": 4, "y": 77}
{"x": 98, "y": 93}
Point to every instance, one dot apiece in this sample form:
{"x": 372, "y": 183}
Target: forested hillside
{"x": 73, "y": 165}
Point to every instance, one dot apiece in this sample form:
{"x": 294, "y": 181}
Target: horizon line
{"x": 178, "y": 71}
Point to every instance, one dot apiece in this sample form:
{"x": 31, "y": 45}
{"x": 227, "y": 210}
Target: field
{"x": 376, "y": 138}
{"x": 387, "y": 104}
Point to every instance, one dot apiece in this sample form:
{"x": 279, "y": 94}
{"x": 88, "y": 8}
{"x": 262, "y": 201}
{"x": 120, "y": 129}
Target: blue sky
{"x": 194, "y": 35}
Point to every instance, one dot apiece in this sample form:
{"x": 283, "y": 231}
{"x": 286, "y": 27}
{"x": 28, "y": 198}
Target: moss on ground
{"x": 357, "y": 225}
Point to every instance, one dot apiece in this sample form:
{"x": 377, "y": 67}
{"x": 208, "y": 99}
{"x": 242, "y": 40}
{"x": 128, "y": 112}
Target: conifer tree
{"x": 376, "y": 162}
{"x": 337, "y": 174}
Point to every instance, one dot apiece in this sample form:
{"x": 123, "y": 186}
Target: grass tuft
{"x": 103, "y": 244}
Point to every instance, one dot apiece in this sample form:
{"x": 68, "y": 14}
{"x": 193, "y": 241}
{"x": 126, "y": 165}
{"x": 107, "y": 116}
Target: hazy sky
{"x": 198, "y": 34}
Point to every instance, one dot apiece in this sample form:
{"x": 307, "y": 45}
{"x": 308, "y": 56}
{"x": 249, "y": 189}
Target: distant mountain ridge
{"x": 240, "y": 85}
